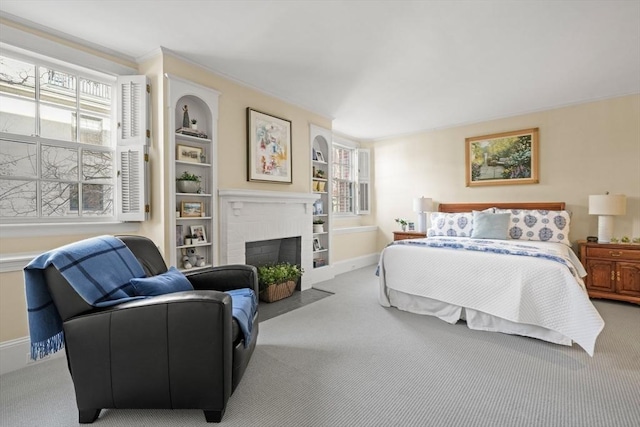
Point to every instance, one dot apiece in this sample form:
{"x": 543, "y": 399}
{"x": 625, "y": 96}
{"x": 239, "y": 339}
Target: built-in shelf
{"x": 320, "y": 140}
{"x": 193, "y": 218}
{"x": 194, "y": 194}
{"x": 201, "y": 103}
{"x": 182, "y": 162}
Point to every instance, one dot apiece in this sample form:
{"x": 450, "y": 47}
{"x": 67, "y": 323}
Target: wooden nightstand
{"x": 613, "y": 270}
{"x": 402, "y": 235}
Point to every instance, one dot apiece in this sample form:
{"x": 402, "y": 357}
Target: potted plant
{"x": 320, "y": 174}
{"x": 318, "y": 226}
{"x": 403, "y": 223}
{"x": 188, "y": 183}
{"x": 194, "y": 124}
{"x": 278, "y": 281}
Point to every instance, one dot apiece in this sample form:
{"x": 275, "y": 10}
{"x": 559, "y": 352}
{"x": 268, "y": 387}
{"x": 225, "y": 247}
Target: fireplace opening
{"x": 266, "y": 252}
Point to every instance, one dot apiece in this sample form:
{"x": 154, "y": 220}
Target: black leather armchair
{"x": 174, "y": 351}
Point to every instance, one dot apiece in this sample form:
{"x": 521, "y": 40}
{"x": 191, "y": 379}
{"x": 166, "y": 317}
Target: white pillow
{"x": 541, "y": 225}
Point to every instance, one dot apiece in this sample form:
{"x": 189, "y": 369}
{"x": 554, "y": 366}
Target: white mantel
{"x": 251, "y": 216}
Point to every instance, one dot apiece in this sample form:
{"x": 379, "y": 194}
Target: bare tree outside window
{"x": 58, "y": 175}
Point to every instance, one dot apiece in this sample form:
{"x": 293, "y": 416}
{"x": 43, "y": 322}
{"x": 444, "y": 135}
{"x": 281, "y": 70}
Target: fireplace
{"x": 274, "y": 251}
{"x": 248, "y": 216}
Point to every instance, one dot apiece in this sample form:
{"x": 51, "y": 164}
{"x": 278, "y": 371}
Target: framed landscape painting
{"x": 268, "y": 148}
{"x": 502, "y": 158}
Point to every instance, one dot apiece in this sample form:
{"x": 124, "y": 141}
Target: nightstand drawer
{"x": 403, "y": 235}
{"x": 609, "y": 253}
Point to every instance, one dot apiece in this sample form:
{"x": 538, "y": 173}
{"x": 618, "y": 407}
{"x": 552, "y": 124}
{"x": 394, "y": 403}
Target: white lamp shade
{"x": 607, "y": 204}
{"x": 422, "y": 204}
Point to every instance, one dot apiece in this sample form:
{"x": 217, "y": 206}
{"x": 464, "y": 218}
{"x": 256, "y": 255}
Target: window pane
{"x": 59, "y": 163}
{"x": 95, "y": 97}
{"x": 17, "y": 198}
{"x": 95, "y": 130}
{"x": 97, "y": 200}
{"x": 57, "y": 123}
{"x": 17, "y": 116}
{"x": 342, "y": 198}
{"x": 57, "y": 199}
{"x": 97, "y": 165}
{"x": 18, "y": 159}
{"x": 57, "y": 87}
{"x": 17, "y": 78}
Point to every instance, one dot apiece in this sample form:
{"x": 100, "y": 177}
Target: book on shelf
{"x": 192, "y": 132}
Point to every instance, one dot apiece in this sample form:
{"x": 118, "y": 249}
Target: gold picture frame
{"x": 191, "y": 209}
{"x": 502, "y": 158}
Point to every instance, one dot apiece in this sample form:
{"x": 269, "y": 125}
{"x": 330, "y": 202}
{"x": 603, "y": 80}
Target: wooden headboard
{"x": 468, "y": 207}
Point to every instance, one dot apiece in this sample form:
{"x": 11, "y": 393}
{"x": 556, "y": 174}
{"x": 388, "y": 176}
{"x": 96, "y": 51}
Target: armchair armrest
{"x": 122, "y": 354}
{"x": 225, "y": 278}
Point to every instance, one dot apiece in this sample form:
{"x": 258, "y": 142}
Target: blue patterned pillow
{"x": 544, "y": 226}
{"x": 451, "y": 224}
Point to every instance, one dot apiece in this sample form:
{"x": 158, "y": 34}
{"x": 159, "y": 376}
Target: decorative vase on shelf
{"x": 404, "y": 227}
{"x": 188, "y": 186}
{"x": 318, "y": 228}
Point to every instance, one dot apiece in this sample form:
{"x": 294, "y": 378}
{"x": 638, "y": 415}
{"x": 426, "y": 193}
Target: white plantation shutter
{"x": 132, "y": 189}
{"x": 132, "y": 110}
{"x": 364, "y": 178}
{"x": 133, "y": 160}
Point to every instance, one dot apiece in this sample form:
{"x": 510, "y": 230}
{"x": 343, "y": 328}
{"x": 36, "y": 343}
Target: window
{"x": 350, "y": 180}
{"x": 57, "y": 151}
{"x": 60, "y": 159}
{"x": 342, "y": 197}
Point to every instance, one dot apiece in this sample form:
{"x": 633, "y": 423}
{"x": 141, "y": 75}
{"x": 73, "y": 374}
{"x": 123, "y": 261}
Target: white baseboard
{"x": 355, "y": 263}
{"x": 14, "y": 355}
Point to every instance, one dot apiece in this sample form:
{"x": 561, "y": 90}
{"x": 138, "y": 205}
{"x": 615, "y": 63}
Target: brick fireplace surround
{"x": 251, "y": 216}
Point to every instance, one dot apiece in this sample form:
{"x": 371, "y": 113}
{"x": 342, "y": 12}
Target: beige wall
{"x": 352, "y": 245}
{"x": 232, "y": 128}
{"x": 584, "y": 149}
{"x": 154, "y": 228}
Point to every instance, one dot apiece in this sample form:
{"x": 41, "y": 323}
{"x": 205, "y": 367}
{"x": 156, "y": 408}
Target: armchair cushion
{"x": 170, "y": 281}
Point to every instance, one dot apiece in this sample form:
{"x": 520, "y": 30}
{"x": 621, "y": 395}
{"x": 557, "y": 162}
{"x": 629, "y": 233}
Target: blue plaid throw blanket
{"x": 99, "y": 269}
{"x": 244, "y": 304}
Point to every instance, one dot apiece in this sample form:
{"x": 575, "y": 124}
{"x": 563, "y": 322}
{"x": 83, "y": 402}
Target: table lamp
{"x": 422, "y": 205}
{"x": 606, "y": 206}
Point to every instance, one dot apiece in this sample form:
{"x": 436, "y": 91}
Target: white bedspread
{"x": 519, "y": 289}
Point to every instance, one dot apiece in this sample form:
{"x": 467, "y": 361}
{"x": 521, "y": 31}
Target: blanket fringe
{"x": 44, "y": 348}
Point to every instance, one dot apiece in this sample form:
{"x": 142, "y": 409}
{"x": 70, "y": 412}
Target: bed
{"x": 525, "y": 281}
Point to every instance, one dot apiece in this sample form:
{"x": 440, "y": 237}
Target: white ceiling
{"x": 379, "y": 68}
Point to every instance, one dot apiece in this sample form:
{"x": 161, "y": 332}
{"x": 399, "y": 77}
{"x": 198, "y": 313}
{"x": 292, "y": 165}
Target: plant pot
{"x": 277, "y": 292}
{"x": 318, "y": 228}
{"x": 188, "y": 186}
{"x": 194, "y": 126}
